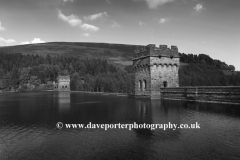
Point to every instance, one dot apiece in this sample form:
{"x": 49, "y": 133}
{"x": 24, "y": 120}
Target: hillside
{"x": 116, "y": 53}
{"x": 90, "y": 62}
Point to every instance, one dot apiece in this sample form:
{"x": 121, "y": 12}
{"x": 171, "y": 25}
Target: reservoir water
{"x": 28, "y": 128}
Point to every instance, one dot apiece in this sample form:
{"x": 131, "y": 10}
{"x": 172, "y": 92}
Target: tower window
{"x": 165, "y": 84}
{"x": 144, "y": 85}
{"x": 140, "y": 85}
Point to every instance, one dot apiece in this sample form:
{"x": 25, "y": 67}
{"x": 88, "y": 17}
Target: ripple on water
{"x": 28, "y": 128}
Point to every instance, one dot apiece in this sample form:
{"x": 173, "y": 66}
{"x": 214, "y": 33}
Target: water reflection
{"x": 27, "y": 128}
{"x": 144, "y": 111}
{"x": 216, "y": 108}
{"x": 158, "y": 112}
{"x": 64, "y": 101}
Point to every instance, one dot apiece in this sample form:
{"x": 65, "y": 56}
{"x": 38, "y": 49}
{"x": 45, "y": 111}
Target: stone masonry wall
{"x": 155, "y": 66}
{"x": 163, "y": 69}
{"x": 142, "y": 73}
{"x": 64, "y": 86}
{"x": 219, "y": 94}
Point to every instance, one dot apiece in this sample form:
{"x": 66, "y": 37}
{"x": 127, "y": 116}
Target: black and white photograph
{"x": 119, "y": 80}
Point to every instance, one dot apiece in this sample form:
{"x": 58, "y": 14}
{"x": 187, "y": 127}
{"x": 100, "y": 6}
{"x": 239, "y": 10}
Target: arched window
{"x": 140, "y": 85}
{"x": 165, "y": 84}
{"x": 144, "y": 85}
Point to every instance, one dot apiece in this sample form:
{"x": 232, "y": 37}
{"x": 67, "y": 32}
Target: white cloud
{"x": 163, "y": 20}
{"x": 89, "y": 27}
{"x": 1, "y": 28}
{"x": 141, "y": 23}
{"x": 27, "y": 42}
{"x": 153, "y": 4}
{"x": 198, "y": 8}
{"x": 73, "y": 20}
{"x": 7, "y": 41}
{"x": 96, "y": 16}
{"x": 108, "y": 1}
{"x": 35, "y": 40}
{"x": 86, "y": 34}
{"x": 68, "y": 1}
{"x": 115, "y": 24}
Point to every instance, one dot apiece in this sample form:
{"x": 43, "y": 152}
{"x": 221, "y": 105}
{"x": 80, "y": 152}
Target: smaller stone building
{"x": 63, "y": 83}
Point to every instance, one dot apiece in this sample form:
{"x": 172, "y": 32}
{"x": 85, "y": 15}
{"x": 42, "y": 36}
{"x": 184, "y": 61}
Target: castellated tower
{"x": 155, "y": 68}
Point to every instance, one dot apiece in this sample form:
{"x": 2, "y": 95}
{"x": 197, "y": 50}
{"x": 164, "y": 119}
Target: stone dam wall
{"x": 221, "y": 94}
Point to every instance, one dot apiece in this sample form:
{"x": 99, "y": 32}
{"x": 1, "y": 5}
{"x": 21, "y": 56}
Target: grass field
{"x": 120, "y": 54}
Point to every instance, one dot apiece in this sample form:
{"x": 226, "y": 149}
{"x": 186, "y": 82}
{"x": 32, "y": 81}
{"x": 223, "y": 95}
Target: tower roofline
{"x": 153, "y": 51}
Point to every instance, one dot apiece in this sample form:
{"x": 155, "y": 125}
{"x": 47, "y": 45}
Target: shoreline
{"x": 127, "y": 95}
{"x": 102, "y": 93}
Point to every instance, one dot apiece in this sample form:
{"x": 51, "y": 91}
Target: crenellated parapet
{"x": 153, "y": 51}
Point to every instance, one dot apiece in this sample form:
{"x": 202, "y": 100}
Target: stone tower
{"x": 63, "y": 83}
{"x": 155, "y": 68}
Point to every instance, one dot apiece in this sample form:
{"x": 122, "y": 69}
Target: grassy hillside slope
{"x": 120, "y": 54}
{"x": 117, "y": 53}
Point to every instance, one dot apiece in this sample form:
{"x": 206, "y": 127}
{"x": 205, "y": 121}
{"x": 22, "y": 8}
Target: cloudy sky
{"x": 196, "y": 26}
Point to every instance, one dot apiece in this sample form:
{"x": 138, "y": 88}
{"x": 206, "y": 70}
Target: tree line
{"x": 18, "y": 71}
{"x": 197, "y": 74}
{"x": 205, "y": 59}
{"x": 202, "y": 70}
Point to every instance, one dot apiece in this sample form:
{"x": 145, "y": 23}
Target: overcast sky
{"x": 196, "y": 26}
